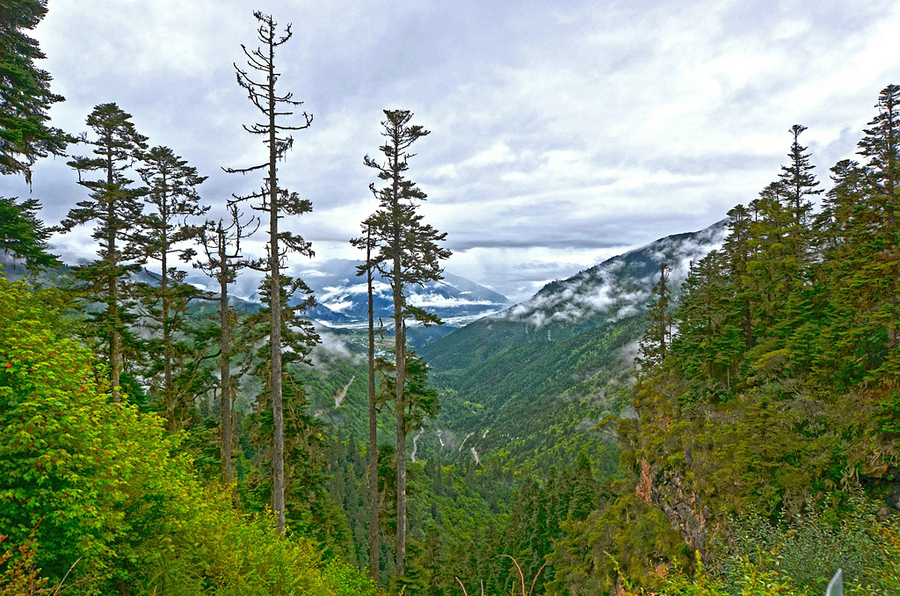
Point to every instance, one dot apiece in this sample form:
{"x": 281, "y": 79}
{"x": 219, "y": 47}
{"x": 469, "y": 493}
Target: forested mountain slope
{"x": 541, "y": 375}
{"x": 599, "y": 296}
{"x": 765, "y": 440}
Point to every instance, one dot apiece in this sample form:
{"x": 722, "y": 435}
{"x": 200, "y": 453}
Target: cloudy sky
{"x": 563, "y": 132}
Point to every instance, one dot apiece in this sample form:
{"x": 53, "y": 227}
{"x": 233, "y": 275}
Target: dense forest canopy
{"x": 730, "y": 429}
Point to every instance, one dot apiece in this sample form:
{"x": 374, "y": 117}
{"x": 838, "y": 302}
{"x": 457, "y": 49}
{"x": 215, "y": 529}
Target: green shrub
{"x": 806, "y": 551}
{"x": 105, "y": 490}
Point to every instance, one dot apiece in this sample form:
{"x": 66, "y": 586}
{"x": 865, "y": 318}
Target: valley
{"x": 194, "y": 402}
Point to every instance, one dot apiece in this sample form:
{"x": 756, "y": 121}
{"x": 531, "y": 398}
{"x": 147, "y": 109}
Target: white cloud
{"x": 431, "y": 300}
{"x": 559, "y": 132}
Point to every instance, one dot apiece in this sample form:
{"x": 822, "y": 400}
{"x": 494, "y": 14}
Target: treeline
{"x": 766, "y": 441}
{"x": 156, "y": 439}
{"x": 762, "y": 453}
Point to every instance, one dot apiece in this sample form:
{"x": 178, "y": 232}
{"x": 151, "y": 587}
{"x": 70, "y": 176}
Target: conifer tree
{"x": 116, "y": 208}
{"x": 374, "y": 546}
{"x": 23, "y": 236}
{"x": 881, "y": 146}
{"x": 779, "y": 268}
{"x": 277, "y": 202}
{"x": 798, "y": 180}
{"x": 165, "y": 230}
{"x": 25, "y": 136}
{"x": 799, "y": 185}
{"x": 655, "y": 341}
{"x": 222, "y": 245}
{"x": 851, "y": 345}
{"x": 738, "y": 248}
{"x": 584, "y": 489}
{"x": 770, "y": 271}
{"x": 408, "y": 253}
{"x": 25, "y": 96}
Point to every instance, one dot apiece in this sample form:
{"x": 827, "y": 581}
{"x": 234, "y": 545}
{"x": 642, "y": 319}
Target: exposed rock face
{"x": 668, "y": 491}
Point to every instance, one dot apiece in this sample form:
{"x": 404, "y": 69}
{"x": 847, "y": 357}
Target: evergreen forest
{"x": 727, "y": 423}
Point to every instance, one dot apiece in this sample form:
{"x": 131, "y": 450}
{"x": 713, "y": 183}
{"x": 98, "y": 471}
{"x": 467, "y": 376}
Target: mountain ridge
{"x": 617, "y": 288}
{"x": 541, "y": 374}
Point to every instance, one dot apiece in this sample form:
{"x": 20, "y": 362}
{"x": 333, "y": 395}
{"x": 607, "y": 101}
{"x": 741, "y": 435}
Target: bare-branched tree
{"x": 222, "y": 244}
{"x": 276, "y": 202}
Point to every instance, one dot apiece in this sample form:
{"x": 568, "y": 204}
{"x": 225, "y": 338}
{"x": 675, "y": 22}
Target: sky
{"x": 562, "y": 132}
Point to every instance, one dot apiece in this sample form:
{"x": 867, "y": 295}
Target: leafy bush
{"x": 106, "y": 492}
{"x": 752, "y": 580}
{"x": 807, "y": 550}
{"x": 18, "y": 576}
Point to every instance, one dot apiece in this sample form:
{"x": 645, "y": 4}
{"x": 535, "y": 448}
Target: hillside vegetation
{"x": 715, "y": 413}
{"x": 767, "y": 400}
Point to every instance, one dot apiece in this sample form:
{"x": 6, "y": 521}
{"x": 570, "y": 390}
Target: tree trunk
{"x": 275, "y": 304}
{"x": 115, "y": 342}
{"x": 168, "y": 393}
{"x": 374, "y": 546}
{"x": 400, "y": 406}
{"x": 400, "y": 365}
{"x": 225, "y": 396}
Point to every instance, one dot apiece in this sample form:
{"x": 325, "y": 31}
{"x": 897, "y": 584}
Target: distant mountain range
{"x": 341, "y": 295}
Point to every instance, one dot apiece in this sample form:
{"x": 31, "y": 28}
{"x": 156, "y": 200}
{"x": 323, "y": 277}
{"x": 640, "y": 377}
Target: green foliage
{"x": 114, "y": 206}
{"x": 797, "y": 559}
{"x": 752, "y": 580}
{"x": 23, "y": 235}
{"x": 420, "y": 401}
{"x": 100, "y": 484}
{"x": 640, "y": 536}
{"x": 777, "y": 400}
{"x": 806, "y": 551}
{"x": 25, "y": 95}
{"x": 18, "y": 575}
{"x": 173, "y": 371}
{"x": 345, "y": 580}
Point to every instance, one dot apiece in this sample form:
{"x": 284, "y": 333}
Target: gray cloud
{"x": 561, "y": 131}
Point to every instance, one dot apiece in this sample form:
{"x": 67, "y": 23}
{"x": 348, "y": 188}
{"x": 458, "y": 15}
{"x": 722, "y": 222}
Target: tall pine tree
{"x": 222, "y": 245}
{"x": 408, "y": 254}
{"x": 374, "y": 543}
{"x": 114, "y": 204}
{"x": 276, "y": 202}
{"x": 167, "y": 234}
{"x": 25, "y": 96}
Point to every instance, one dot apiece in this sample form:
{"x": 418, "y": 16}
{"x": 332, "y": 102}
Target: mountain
{"x": 532, "y": 382}
{"x": 342, "y": 299}
{"x": 614, "y": 290}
